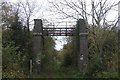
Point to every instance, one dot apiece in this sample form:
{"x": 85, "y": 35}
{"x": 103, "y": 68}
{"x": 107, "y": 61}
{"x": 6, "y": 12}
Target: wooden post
{"x": 31, "y": 66}
{"x": 37, "y": 45}
{"x": 83, "y": 46}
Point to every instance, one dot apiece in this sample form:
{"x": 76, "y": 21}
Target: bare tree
{"x": 80, "y": 9}
{"x": 95, "y": 13}
{"x": 28, "y": 10}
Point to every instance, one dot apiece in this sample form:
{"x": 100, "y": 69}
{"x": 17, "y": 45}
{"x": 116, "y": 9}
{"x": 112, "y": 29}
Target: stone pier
{"x": 83, "y": 45}
{"x": 37, "y": 45}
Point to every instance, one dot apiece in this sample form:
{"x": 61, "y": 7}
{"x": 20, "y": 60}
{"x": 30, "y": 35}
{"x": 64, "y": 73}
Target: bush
{"x": 12, "y": 62}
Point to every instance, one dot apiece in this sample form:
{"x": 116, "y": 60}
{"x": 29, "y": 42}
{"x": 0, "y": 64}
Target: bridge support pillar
{"x": 37, "y": 45}
{"x": 83, "y": 46}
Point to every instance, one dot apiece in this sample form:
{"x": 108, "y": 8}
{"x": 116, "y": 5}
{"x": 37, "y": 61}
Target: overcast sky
{"x": 44, "y": 13}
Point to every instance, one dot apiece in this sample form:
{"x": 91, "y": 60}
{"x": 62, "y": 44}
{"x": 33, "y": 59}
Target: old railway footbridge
{"x": 39, "y": 31}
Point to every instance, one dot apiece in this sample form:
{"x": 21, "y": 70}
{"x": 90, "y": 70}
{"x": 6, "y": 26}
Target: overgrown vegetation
{"x": 108, "y": 60}
{"x": 49, "y": 54}
{"x": 17, "y": 46}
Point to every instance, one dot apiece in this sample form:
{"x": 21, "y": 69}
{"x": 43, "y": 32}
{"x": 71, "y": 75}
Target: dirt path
{"x": 67, "y": 74}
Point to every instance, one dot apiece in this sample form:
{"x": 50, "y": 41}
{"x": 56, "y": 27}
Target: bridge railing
{"x": 59, "y": 31}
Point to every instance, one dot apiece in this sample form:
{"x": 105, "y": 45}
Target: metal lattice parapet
{"x": 59, "y": 31}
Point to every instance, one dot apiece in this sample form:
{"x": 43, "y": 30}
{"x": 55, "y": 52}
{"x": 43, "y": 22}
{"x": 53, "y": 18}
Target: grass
{"x": 70, "y": 74}
{"x": 63, "y": 72}
{"x": 56, "y": 71}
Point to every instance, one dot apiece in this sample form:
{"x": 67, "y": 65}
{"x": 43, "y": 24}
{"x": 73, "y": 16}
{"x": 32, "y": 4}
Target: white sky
{"x": 44, "y": 13}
